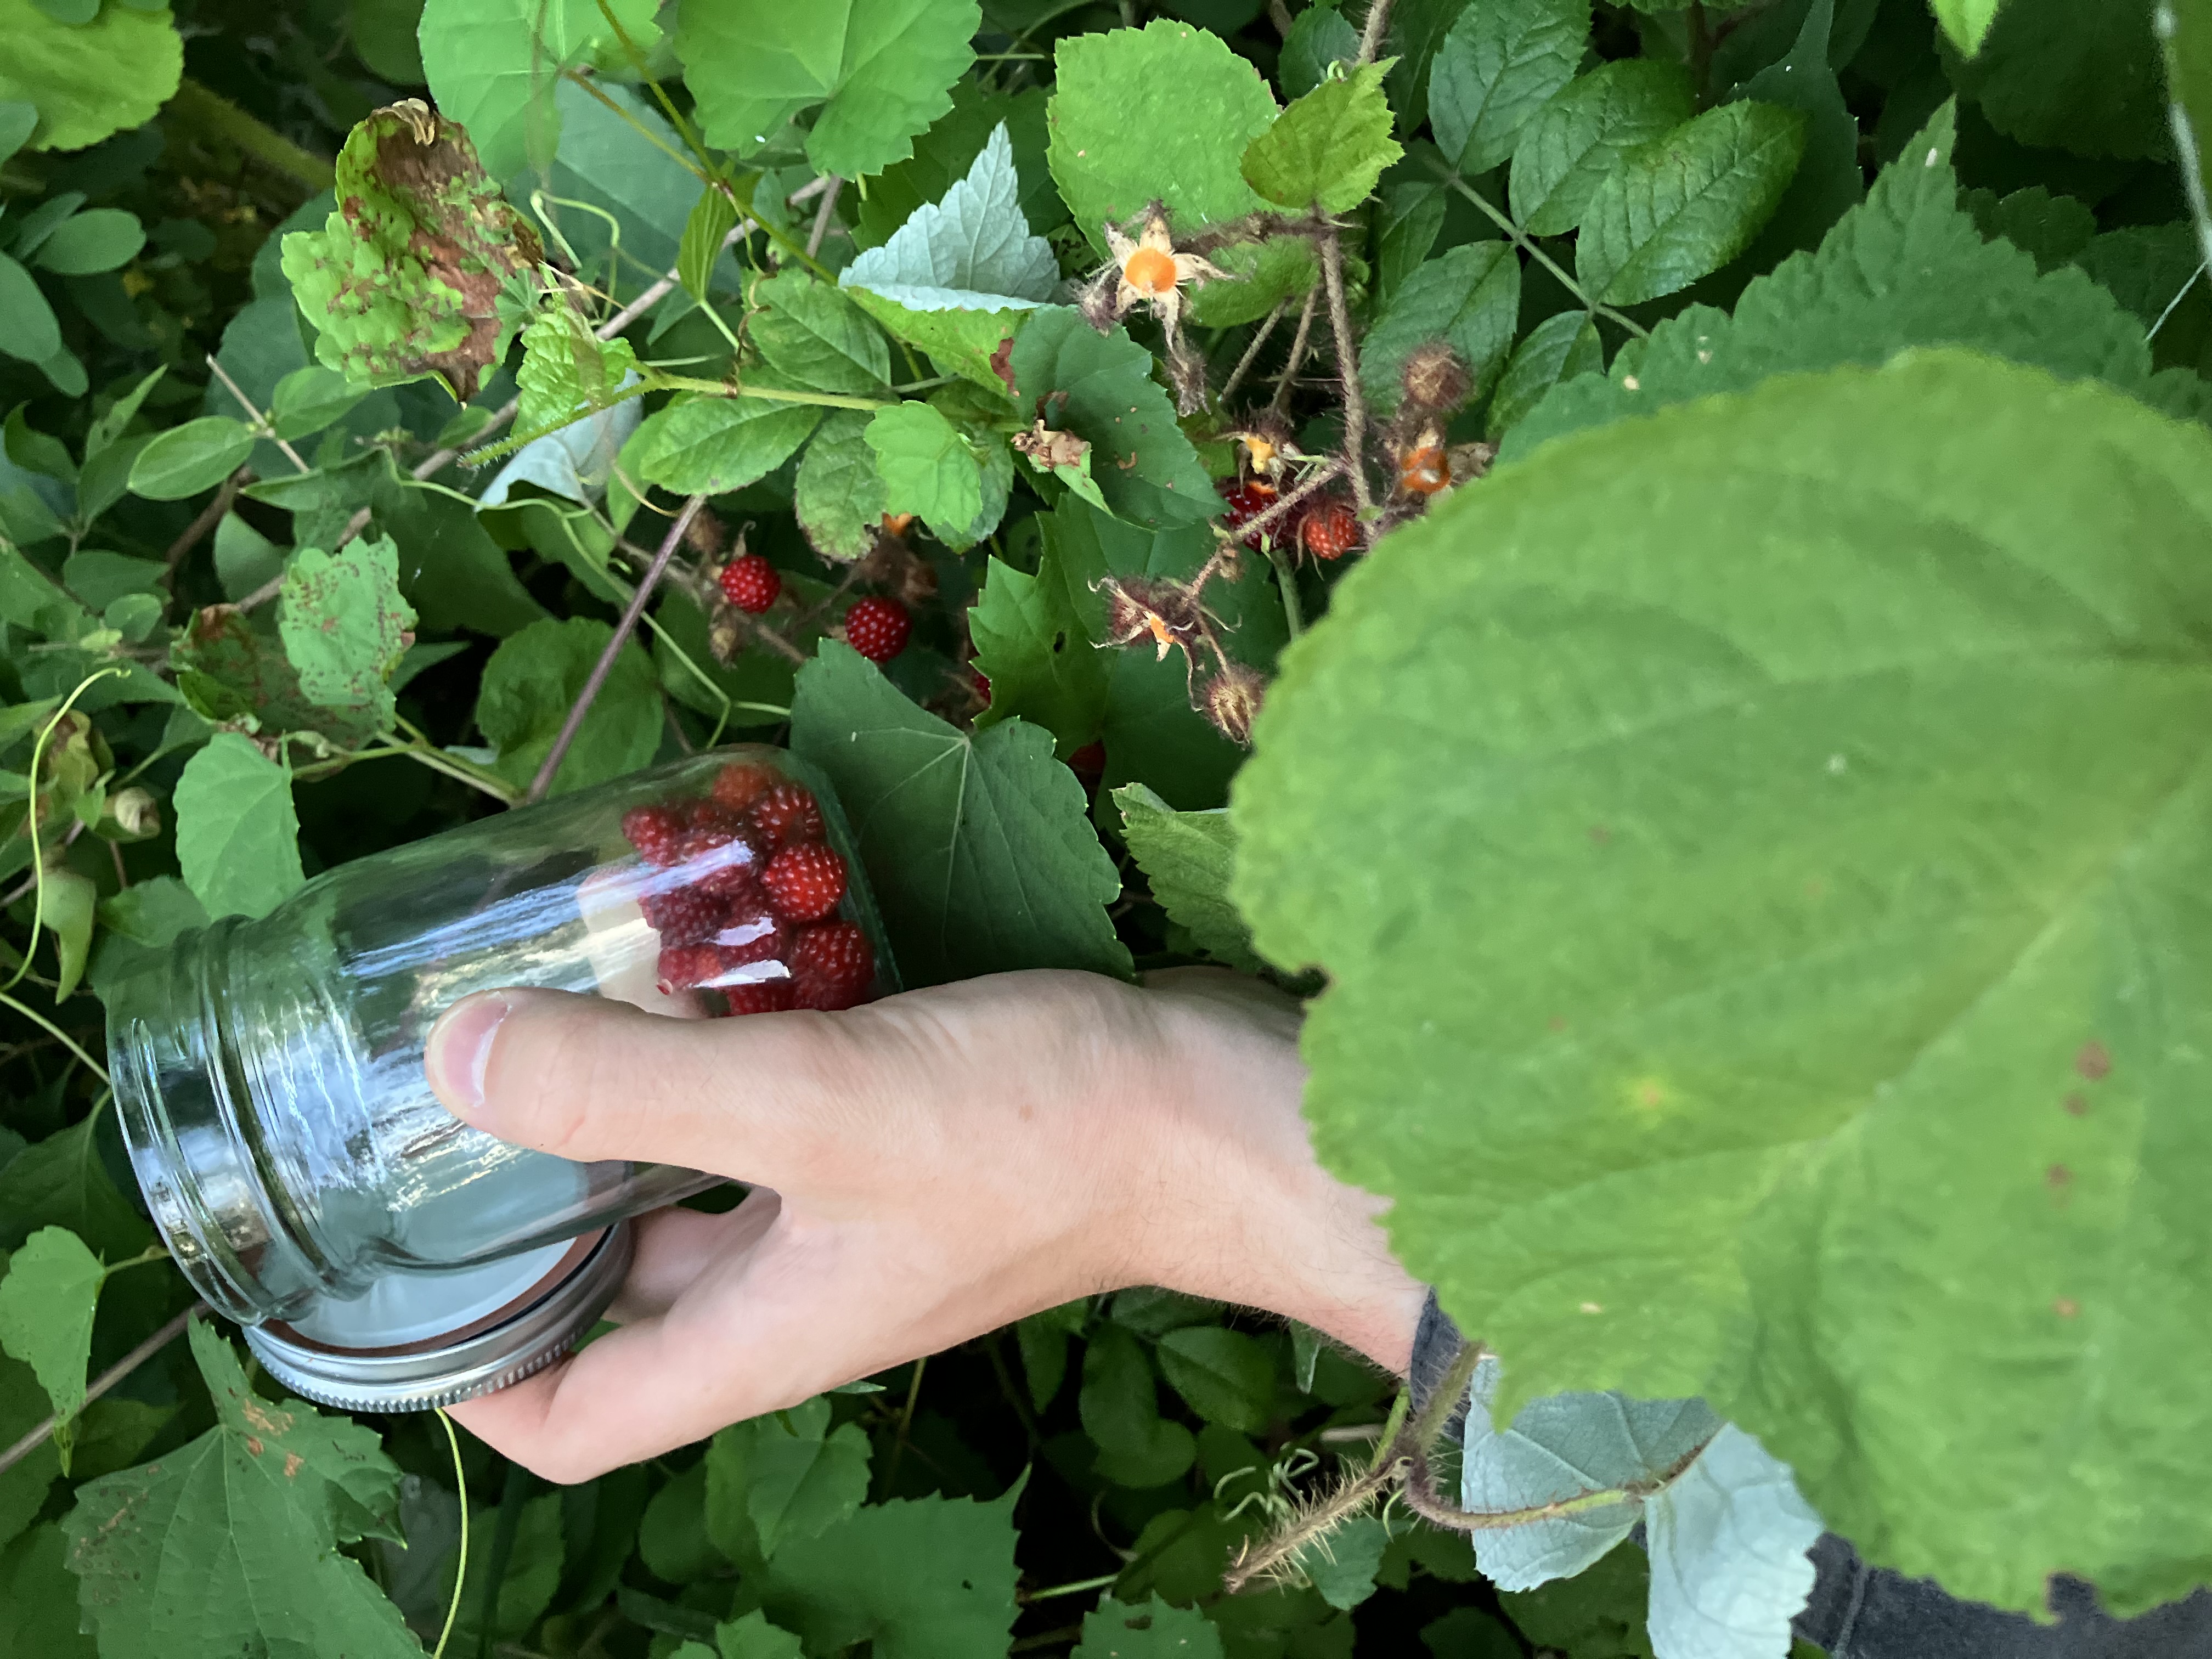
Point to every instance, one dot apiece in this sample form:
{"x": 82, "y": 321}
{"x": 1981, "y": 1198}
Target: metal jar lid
{"x": 420, "y": 1339}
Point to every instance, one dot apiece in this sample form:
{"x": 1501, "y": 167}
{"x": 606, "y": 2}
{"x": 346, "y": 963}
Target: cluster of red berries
{"x": 876, "y": 628}
{"x": 1323, "y": 524}
{"x": 744, "y": 893}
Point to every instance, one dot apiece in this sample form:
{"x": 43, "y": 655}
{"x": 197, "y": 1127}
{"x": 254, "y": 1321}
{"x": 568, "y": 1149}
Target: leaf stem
{"x": 461, "y": 1568}
{"x": 1297, "y": 356}
{"x": 260, "y": 421}
{"x": 1527, "y": 245}
{"x": 107, "y": 1380}
{"x": 1075, "y": 1588}
{"x": 905, "y": 1423}
{"x": 1287, "y": 578}
{"x": 605, "y": 666}
{"x": 210, "y": 517}
{"x": 52, "y": 1029}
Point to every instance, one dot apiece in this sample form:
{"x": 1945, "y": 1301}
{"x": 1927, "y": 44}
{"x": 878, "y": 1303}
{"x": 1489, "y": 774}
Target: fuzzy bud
{"x": 705, "y": 536}
{"x": 1434, "y": 379}
{"x": 1232, "y": 699}
{"x": 1167, "y": 613}
{"x": 135, "y": 813}
{"x": 725, "y": 634}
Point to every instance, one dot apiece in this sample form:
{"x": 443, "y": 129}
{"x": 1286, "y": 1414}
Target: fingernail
{"x": 460, "y": 1050}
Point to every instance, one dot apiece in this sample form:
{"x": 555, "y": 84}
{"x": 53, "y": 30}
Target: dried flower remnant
{"x": 1231, "y": 700}
{"x": 1048, "y": 448}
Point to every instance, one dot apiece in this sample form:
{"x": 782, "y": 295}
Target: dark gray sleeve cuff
{"x": 1858, "y": 1611}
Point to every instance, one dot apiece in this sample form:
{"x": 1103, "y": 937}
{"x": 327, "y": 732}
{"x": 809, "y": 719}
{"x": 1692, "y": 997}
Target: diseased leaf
{"x": 711, "y": 446}
{"x": 1677, "y": 208}
{"x": 534, "y": 677}
{"x": 345, "y": 625}
{"x": 978, "y": 847}
{"x": 1706, "y": 699}
{"x": 1165, "y": 112}
{"x": 927, "y": 466}
{"x": 926, "y": 1578}
{"x": 88, "y": 80}
{"x": 1470, "y": 298}
{"x": 814, "y": 335}
{"x": 1329, "y": 148}
{"x": 1729, "y": 1566}
{"x": 1188, "y": 858}
{"x": 1099, "y": 387}
{"x": 404, "y": 282}
{"x": 1502, "y": 60}
{"x": 232, "y": 672}
{"x": 494, "y": 66}
{"x": 46, "y": 1303}
{"x": 884, "y": 68}
{"x": 1581, "y": 134}
{"x": 231, "y": 1544}
{"x": 969, "y": 251}
{"x": 238, "y": 838}
{"x": 1151, "y": 1629}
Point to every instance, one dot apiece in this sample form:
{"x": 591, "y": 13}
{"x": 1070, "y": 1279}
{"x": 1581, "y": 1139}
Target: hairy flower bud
{"x": 1434, "y": 379}
{"x": 135, "y": 813}
{"x": 1232, "y": 699}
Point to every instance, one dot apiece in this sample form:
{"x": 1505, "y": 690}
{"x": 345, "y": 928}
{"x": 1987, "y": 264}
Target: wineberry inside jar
{"x": 269, "y": 1075}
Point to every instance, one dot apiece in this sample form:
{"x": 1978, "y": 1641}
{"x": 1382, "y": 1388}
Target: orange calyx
{"x": 1151, "y": 272}
{"x": 1425, "y": 470}
{"x": 895, "y": 524}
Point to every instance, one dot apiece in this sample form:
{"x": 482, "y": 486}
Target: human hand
{"x": 925, "y": 1168}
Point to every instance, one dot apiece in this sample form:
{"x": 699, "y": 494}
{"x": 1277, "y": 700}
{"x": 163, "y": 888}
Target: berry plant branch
{"x": 602, "y": 668}
{"x": 1371, "y": 33}
{"x": 1252, "y": 352}
{"x": 1347, "y": 366}
{"x": 261, "y": 425}
{"x": 1288, "y": 377}
{"x": 209, "y": 517}
{"x": 107, "y": 1380}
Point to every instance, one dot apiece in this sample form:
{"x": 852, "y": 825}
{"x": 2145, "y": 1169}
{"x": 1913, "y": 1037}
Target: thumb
{"x": 588, "y": 1078}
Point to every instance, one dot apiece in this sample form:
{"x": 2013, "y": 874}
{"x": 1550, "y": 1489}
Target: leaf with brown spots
{"x": 221, "y": 1548}
{"x": 405, "y": 280}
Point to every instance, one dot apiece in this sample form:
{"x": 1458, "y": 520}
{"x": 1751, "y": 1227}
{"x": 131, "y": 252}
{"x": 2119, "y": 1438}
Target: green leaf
{"x": 2050, "y": 74}
{"x": 948, "y": 152}
{"x": 1121, "y": 1412}
{"x": 884, "y": 68}
{"x": 493, "y": 66}
{"x": 17, "y": 122}
{"x": 969, "y": 251}
{"x": 187, "y": 460}
{"x": 1224, "y": 1375}
{"x": 232, "y": 672}
{"x": 1499, "y": 64}
{"x": 244, "y": 559}
{"x": 709, "y": 226}
{"x": 1580, "y": 134}
{"x": 784, "y": 1476}
{"x": 1319, "y": 37}
{"x": 1558, "y": 349}
{"x": 231, "y": 1544}
{"x": 2054, "y": 229}
{"x": 1329, "y": 148}
{"x": 1678, "y": 208}
{"x": 929, "y": 1578}
{"x": 1099, "y": 387}
{"x": 39, "y": 1593}
{"x": 839, "y": 496}
{"x": 345, "y": 625}
{"x": 1151, "y": 1629}
{"x": 1728, "y": 1540}
{"x": 927, "y": 466}
{"x": 2185, "y": 25}
{"x": 973, "y": 344}
{"x": 753, "y": 1638}
{"x": 99, "y": 238}
{"x": 404, "y": 283}
{"x": 812, "y": 333}
{"x": 1829, "y": 181}
{"x": 23, "y": 1487}
{"x": 1342, "y": 1565}
{"x": 1470, "y": 298}
{"x": 1165, "y": 112}
{"x": 526, "y": 1586}
{"x": 1600, "y": 1613}
{"x": 978, "y": 847}
{"x": 531, "y": 682}
{"x": 90, "y": 80}
{"x": 1908, "y": 268}
{"x": 1031, "y": 645}
{"x": 238, "y": 838}
{"x": 1966, "y": 22}
{"x": 1840, "y": 1098}
{"x": 568, "y": 372}
{"x": 28, "y": 328}
{"x": 70, "y": 898}
{"x": 309, "y": 399}
{"x": 61, "y": 1181}
{"x": 711, "y": 446}
{"x": 382, "y": 36}
{"x": 1188, "y": 858}
{"x": 1255, "y": 277}
{"x": 46, "y": 1303}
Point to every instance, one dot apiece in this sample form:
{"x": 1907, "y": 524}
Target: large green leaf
{"x": 711, "y": 446}
{"x": 1188, "y": 858}
{"x": 784, "y": 1476}
{"x": 1581, "y": 134}
{"x": 88, "y": 80}
{"x": 46, "y": 1303}
{"x": 1501, "y": 62}
{"x": 1470, "y": 298}
{"x": 1225, "y": 1375}
{"x": 948, "y": 152}
{"x": 1163, "y": 113}
{"x": 971, "y": 250}
{"x": 928, "y": 1578}
{"x": 977, "y": 846}
{"x": 63, "y": 1182}
{"x": 493, "y": 66}
{"x": 238, "y": 838}
{"x": 232, "y": 1543}
{"x": 344, "y": 626}
{"x": 885, "y": 67}
{"x": 1120, "y": 1409}
{"x": 1100, "y": 387}
{"x": 533, "y": 679}
{"x": 2083, "y": 78}
{"x": 1151, "y": 1629}
{"x": 1680, "y": 207}
{"x": 1742, "y": 963}
{"x": 1329, "y": 147}
{"x": 1907, "y": 268}
{"x": 1559, "y": 348}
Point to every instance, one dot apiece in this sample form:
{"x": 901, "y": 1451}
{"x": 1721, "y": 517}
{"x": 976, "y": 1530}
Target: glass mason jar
{"x": 269, "y": 1076}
